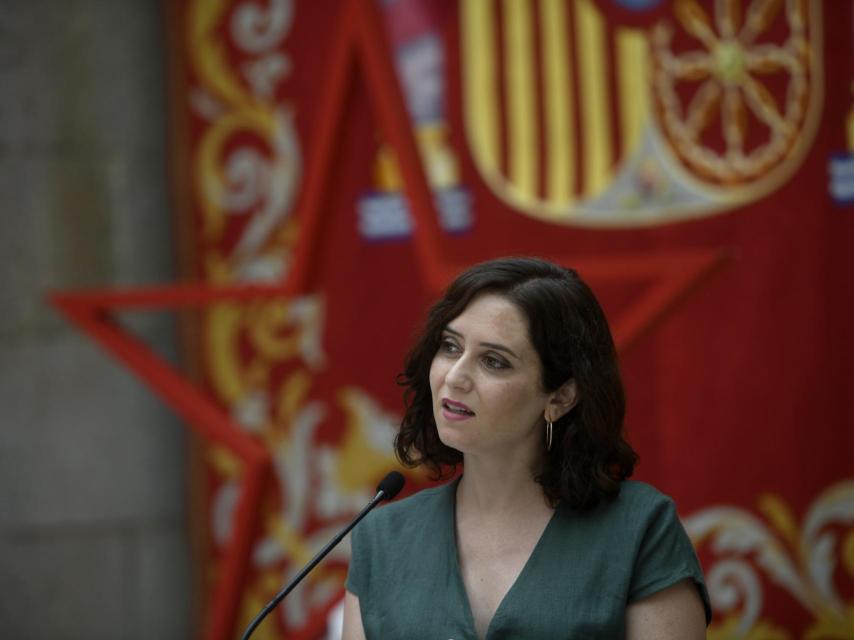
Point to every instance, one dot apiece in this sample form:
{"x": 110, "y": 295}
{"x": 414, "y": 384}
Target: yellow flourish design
{"x": 802, "y": 558}
{"x": 831, "y": 625}
{"x": 762, "y": 630}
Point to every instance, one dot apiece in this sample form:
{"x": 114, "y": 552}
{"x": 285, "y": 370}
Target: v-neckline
{"x": 458, "y": 574}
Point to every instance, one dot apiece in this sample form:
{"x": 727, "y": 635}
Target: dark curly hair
{"x": 569, "y": 331}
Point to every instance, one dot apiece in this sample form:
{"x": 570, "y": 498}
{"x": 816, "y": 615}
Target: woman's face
{"x": 486, "y": 381}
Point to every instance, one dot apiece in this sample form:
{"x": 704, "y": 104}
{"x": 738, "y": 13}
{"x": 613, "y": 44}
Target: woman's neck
{"x": 491, "y": 486}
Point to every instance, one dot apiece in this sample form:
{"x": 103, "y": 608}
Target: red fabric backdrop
{"x": 726, "y": 276}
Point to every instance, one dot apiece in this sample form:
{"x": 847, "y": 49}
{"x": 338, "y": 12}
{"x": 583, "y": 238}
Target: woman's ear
{"x": 562, "y": 401}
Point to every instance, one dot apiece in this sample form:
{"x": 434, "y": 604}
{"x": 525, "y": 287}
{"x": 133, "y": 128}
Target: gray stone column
{"x": 92, "y": 488}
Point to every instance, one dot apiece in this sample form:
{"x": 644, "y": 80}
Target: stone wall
{"x": 92, "y": 488}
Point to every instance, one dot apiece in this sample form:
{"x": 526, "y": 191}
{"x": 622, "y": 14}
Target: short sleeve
{"x": 666, "y": 557}
{"x": 357, "y": 572}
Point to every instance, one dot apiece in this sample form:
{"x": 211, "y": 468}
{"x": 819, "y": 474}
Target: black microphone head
{"x": 391, "y": 485}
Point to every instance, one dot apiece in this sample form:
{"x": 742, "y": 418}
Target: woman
{"x": 515, "y": 377}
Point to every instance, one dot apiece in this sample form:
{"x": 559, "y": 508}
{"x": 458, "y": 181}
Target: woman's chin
{"x": 454, "y": 437}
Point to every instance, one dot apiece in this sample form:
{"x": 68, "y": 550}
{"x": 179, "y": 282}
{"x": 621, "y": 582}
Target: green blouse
{"x": 584, "y": 570}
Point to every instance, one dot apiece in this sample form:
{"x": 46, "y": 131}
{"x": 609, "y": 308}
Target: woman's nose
{"x": 459, "y": 376}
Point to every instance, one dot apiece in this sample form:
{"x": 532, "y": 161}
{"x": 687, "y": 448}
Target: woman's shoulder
{"x": 636, "y": 503}
{"x": 642, "y": 494}
{"x": 427, "y": 505}
{"x": 641, "y": 508}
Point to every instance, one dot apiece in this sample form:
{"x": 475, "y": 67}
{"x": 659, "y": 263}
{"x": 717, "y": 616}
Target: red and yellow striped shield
{"x": 574, "y": 114}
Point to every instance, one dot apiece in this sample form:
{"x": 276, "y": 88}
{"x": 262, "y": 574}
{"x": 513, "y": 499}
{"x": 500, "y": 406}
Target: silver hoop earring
{"x": 549, "y": 430}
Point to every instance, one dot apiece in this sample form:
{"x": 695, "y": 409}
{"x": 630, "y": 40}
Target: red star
{"x": 360, "y": 44}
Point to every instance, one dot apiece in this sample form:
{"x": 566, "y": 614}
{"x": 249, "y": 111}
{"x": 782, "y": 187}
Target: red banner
{"x": 338, "y": 162}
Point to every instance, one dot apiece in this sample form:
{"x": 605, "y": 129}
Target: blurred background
{"x": 93, "y": 524}
{"x": 223, "y": 221}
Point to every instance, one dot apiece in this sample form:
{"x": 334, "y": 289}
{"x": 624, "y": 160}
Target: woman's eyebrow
{"x": 489, "y": 345}
{"x": 499, "y": 347}
{"x": 451, "y": 331}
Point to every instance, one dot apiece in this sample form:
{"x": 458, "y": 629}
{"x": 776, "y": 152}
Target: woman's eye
{"x": 495, "y": 363}
{"x": 449, "y": 346}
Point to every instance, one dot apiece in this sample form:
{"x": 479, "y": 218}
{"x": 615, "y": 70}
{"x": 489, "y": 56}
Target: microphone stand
{"x": 381, "y": 495}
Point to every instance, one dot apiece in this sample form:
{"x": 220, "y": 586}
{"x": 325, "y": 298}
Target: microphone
{"x": 387, "y": 489}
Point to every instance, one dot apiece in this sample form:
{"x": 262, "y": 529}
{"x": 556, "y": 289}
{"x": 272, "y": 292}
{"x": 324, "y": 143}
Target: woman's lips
{"x": 455, "y": 411}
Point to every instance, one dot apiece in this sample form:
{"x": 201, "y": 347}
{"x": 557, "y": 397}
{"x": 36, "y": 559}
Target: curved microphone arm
{"x": 387, "y": 489}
